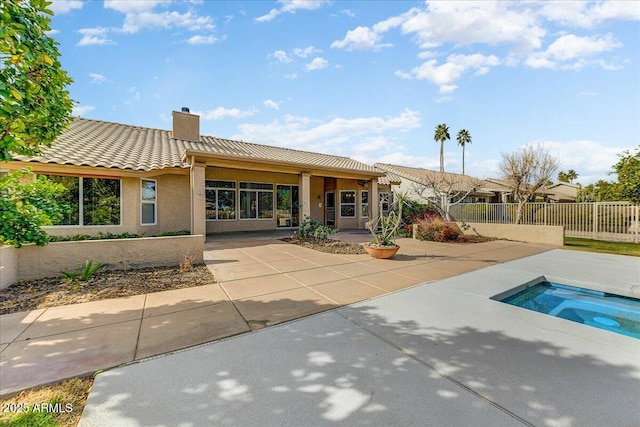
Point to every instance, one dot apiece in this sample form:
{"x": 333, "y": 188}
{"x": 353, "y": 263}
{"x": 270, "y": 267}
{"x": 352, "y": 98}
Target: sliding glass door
{"x": 288, "y": 206}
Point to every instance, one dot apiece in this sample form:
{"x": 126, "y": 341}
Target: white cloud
{"x": 361, "y": 38}
{"x": 94, "y": 36}
{"x": 202, "y": 39}
{"x": 316, "y": 64}
{"x": 128, "y": 6}
{"x": 445, "y": 75}
{"x": 81, "y": 110}
{"x": 281, "y": 56}
{"x": 291, "y": 76}
{"x": 573, "y": 52}
{"x": 135, "y": 22}
{"x": 269, "y": 103}
{"x": 291, "y": 6}
{"x": 223, "y": 113}
{"x": 590, "y": 14}
{"x": 60, "y": 7}
{"x": 306, "y": 52}
{"x": 97, "y": 78}
{"x": 337, "y": 136}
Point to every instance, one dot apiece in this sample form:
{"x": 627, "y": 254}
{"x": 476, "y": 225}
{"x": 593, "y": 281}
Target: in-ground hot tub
{"x": 602, "y": 310}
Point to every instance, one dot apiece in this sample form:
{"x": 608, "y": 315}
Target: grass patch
{"x": 56, "y": 405}
{"x": 588, "y": 245}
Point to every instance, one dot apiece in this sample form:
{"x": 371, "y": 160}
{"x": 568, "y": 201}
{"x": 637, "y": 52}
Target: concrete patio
{"x": 262, "y": 281}
{"x": 441, "y": 354}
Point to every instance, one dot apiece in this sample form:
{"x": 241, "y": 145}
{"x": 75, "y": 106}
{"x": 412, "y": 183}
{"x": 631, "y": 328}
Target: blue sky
{"x": 368, "y": 79}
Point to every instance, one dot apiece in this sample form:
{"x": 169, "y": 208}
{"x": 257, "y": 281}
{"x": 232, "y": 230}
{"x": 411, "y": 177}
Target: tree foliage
{"x": 34, "y": 105}
{"x": 444, "y": 190}
{"x": 568, "y": 176}
{"x": 627, "y": 186}
{"x": 27, "y": 204}
{"x": 527, "y": 170}
{"x": 628, "y": 171}
{"x": 34, "y": 109}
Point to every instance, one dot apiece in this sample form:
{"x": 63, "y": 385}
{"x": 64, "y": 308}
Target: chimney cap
{"x": 185, "y": 109}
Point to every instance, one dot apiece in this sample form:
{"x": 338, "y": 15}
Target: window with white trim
{"x": 347, "y": 204}
{"x": 386, "y": 200}
{"x": 364, "y": 204}
{"x": 256, "y": 200}
{"x": 148, "y": 202}
{"x": 220, "y": 200}
{"x": 92, "y": 201}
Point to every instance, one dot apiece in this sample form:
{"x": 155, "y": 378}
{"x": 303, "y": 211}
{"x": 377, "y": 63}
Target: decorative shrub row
{"x": 104, "y": 236}
{"x": 314, "y": 229}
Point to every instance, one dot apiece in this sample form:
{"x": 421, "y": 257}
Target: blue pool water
{"x": 598, "y": 309}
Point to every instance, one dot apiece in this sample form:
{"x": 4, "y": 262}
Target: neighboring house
{"x": 420, "y": 183}
{"x": 563, "y": 192}
{"x": 123, "y": 178}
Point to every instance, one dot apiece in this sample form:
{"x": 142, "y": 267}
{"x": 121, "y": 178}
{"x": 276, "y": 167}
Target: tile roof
{"x": 97, "y": 143}
{"x": 422, "y": 176}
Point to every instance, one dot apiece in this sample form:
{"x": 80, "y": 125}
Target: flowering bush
{"x": 434, "y": 229}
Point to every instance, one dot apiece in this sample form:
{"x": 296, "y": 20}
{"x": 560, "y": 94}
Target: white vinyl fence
{"x": 613, "y": 221}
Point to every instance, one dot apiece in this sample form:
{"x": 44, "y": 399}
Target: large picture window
{"x": 348, "y": 204}
{"x": 93, "y": 201}
{"x": 256, "y": 200}
{"x": 148, "y": 204}
{"x": 220, "y": 200}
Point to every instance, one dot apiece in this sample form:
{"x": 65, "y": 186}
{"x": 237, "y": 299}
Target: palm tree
{"x": 464, "y": 138}
{"x": 442, "y": 135}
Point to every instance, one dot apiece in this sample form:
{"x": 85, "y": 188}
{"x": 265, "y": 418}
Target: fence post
{"x": 637, "y": 222}
{"x": 594, "y": 220}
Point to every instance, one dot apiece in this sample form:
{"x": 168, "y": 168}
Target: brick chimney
{"x": 186, "y": 125}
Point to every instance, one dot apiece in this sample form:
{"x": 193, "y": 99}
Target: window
{"x": 148, "y": 202}
{"x": 256, "y": 200}
{"x": 220, "y": 200}
{"x": 347, "y": 204}
{"x": 93, "y": 201}
{"x": 364, "y": 204}
{"x": 386, "y": 200}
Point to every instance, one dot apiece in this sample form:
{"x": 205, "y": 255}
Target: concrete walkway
{"x": 261, "y": 282}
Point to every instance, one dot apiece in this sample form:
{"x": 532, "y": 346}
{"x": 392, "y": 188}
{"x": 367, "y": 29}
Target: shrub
{"x": 314, "y": 229}
{"x": 83, "y": 273}
{"x": 434, "y": 229}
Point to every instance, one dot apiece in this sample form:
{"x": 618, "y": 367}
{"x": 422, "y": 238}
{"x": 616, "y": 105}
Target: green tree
{"x": 34, "y": 105}
{"x": 628, "y": 171}
{"x": 464, "y": 138}
{"x": 601, "y": 191}
{"x": 568, "y": 176}
{"x": 25, "y": 206}
{"x": 442, "y": 135}
{"x": 34, "y": 109}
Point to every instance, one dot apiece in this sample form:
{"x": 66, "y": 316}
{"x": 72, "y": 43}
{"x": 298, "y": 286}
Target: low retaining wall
{"x": 35, "y": 262}
{"x": 545, "y": 234}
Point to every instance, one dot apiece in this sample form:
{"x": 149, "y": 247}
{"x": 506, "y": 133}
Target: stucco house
{"x": 122, "y": 178}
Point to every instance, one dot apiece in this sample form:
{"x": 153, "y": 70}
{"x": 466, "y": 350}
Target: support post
{"x": 305, "y": 196}
{"x": 198, "y": 217}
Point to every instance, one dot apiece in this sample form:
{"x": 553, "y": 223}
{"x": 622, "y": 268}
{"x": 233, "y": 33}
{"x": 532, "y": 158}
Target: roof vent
{"x": 185, "y": 109}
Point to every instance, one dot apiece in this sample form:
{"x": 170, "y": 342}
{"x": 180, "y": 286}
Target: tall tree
{"x": 568, "y": 176}
{"x": 442, "y": 135}
{"x": 34, "y": 104}
{"x": 628, "y": 171}
{"x": 527, "y": 170}
{"x": 34, "y": 109}
{"x": 464, "y": 138}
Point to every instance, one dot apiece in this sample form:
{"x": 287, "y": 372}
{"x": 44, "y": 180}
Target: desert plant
{"x": 385, "y": 228}
{"x": 187, "y": 263}
{"x": 84, "y": 272}
{"x": 310, "y": 228}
